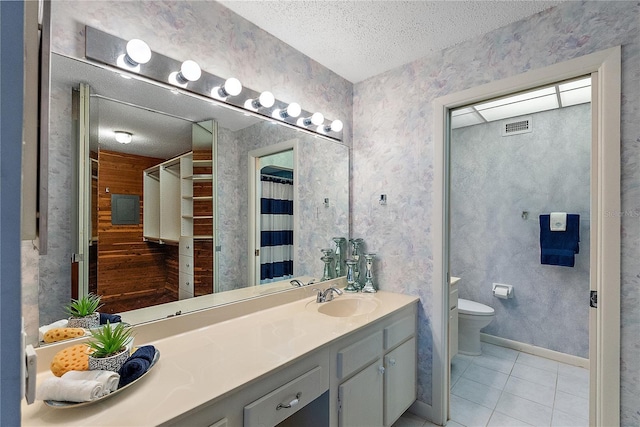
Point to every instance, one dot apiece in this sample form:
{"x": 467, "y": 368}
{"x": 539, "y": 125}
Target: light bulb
{"x": 138, "y": 52}
{"x": 233, "y": 86}
{"x": 190, "y": 71}
{"x": 267, "y": 99}
{"x": 315, "y": 119}
{"x": 292, "y": 110}
{"x": 123, "y": 137}
{"x": 335, "y": 126}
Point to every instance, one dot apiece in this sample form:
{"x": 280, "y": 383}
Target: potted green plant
{"x": 108, "y": 347}
{"x": 83, "y": 312}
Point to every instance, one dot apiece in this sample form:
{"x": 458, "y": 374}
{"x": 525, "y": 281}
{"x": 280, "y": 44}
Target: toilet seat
{"x": 474, "y": 308}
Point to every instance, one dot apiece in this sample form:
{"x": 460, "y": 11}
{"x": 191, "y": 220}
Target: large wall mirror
{"x": 172, "y": 205}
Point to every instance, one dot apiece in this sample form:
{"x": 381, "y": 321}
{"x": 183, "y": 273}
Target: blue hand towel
{"x": 559, "y": 247}
{"x": 111, "y": 318}
{"x": 136, "y": 365}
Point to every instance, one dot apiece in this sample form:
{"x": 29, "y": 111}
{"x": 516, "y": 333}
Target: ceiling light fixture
{"x": 123, "y": 137}
{"x": 293, "y": 110}
{"x": 137, "y": 53}
{"x": 334, "y": 126}
{"x": 316, "y": 119}
{"x": 265, "y": 100}
{"x": 189, "y": 72}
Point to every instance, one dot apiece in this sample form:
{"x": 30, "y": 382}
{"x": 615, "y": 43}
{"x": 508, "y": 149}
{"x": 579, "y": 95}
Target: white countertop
{"x": 204, "y": 365}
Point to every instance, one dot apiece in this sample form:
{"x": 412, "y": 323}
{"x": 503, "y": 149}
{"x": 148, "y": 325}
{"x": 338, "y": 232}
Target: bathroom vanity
{"x": 347, "y": 362}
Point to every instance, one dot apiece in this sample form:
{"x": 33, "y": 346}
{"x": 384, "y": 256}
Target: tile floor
{"x": 505, "y": 387}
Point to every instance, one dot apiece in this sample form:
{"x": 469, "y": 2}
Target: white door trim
{"x": 604, "y": 331}
{"x": 254, "y": 178}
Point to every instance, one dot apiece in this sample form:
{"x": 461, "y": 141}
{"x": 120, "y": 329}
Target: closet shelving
{"x": 202, "y": 200}
{"x": 178, "y": 210}
{"x": 164, "y": 186}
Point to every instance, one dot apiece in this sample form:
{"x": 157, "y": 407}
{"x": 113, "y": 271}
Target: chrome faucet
{"x": 297, "y": 283}
{"x": 327, "y": 294}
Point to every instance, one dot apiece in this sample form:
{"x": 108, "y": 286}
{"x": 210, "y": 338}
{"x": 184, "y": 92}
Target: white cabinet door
{"x": 361, "y": 397}
{"x": 400, "y": 381}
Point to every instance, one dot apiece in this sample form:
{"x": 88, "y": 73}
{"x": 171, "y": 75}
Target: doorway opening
{"x": 604, "y": 277}
{"x": 513, "y": 161}
{"x": 272, "y": 220}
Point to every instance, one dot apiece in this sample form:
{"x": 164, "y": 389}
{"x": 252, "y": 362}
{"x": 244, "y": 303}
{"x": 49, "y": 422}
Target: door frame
{"x": 604, "y": 322}
{"x": 254, "y": 202}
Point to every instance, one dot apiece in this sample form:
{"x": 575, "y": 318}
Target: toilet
{"x": 472, "y": 316}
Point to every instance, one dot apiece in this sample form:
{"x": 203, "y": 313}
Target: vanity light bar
{"x": 188, "y": 77}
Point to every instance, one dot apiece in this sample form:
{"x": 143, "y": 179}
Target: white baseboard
{"x": 538, "y": 351}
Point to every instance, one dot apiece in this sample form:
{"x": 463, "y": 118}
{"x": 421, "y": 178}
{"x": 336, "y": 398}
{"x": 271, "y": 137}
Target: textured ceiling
{"x": 360, "y": 39}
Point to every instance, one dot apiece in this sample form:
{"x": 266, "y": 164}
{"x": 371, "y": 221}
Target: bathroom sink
{"x": 346, "y": 306}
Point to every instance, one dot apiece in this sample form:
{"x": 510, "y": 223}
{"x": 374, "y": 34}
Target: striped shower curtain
{"x": 276, "y": 236}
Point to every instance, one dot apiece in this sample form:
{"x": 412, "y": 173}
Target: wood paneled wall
{"x": 131, "y": 273}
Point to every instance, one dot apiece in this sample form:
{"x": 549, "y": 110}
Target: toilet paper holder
{"x": 502, "y": 291}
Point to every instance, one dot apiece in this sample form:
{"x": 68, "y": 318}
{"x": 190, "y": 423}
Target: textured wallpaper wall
{"x": 393, "y": 151}
{"x": 493, "y": 180}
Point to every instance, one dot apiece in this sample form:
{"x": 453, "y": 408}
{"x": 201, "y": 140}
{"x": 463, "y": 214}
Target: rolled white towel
{"x": 69, "y": 390}
{"x": 558, "y": 221}
{"x": 43, "y": 329}
{"x": 108, "y": 379}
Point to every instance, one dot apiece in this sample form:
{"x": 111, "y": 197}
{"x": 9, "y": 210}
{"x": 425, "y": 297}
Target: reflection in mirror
{"x": 136, "y": 270}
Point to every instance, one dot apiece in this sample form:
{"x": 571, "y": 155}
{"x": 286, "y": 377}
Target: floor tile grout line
{"x": 509, "y": 375}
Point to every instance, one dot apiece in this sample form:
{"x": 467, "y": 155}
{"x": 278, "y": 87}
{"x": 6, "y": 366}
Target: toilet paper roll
{"x": 501, "y": 293}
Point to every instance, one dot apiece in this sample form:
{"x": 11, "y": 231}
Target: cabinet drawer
{"x": 359, "y": 354}
{"x": 399, "y": 331}
{"x": 186, "y": 246}
{"x": 186, "y": 264}
{"x": 272, "y": 408}
{"x": 185, "y": 282}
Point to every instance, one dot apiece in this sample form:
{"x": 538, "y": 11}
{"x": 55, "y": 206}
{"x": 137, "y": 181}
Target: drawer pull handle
{"x": 294, "y": 402}
{"x": 381, "y": 369}
{"x": 392, "y": 362}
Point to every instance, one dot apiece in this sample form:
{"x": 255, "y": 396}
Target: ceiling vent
{"x": 522, "y": 125}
